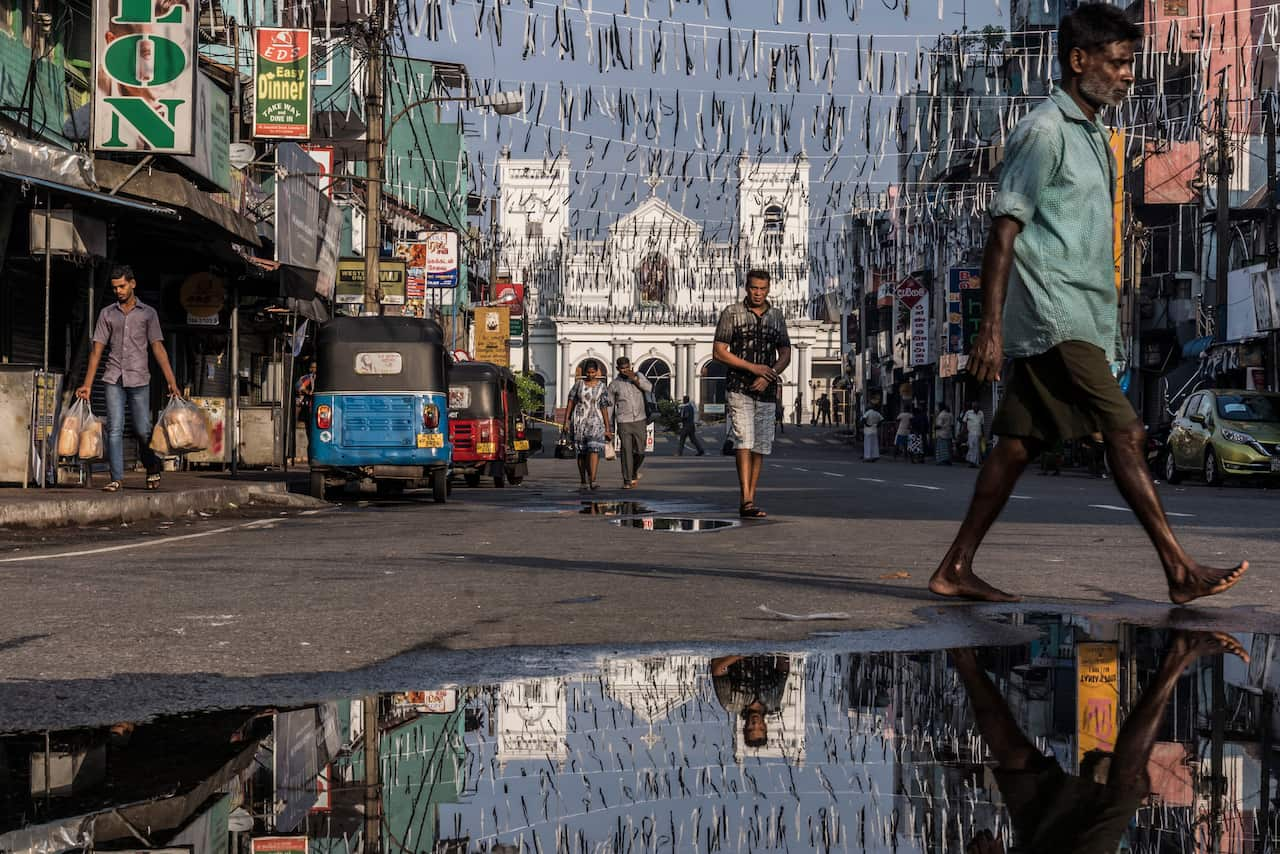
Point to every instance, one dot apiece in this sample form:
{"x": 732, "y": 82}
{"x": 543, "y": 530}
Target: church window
{"x": 533, "y": 229}
{"x": 653, "y": 279}
{"x": 774, "y": 228}
{"x": 657, "y": 372}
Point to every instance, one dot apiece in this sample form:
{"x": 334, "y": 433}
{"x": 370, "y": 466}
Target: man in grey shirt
{"x": 627, "y": 392}
{"x": 126, "y": 330}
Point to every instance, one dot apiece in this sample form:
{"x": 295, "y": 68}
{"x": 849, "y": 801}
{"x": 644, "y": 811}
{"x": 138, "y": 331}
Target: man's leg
{"x": 624, "y": 453}
{"x": 684, "y": 434}
{"x": 638, "y": 433}
{"x": 746, "y": 486}
{"x": 1187, "y": 579}
{"x": 757, "y": 463}
{"x": 1010, "y": 747}
{"x": 697, "y": 443}
{"x": 115, "y": 430}
{"x": 954, "y": 576}
{"x": 140, "y": 415}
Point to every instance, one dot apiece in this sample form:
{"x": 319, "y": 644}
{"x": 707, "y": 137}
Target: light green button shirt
{"x": 1058, "y": 180}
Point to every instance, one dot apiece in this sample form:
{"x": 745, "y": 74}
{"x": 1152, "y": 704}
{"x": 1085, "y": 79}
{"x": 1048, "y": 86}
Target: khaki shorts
{"x": 751, "y": 423}
{"x": 1065, "y": 393}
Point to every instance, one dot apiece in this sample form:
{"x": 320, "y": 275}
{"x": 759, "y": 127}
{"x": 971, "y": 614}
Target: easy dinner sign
{"x": 144, "y": 76}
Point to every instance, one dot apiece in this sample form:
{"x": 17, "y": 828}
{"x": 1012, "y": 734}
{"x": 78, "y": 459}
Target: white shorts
{"x": 751, "y": 422}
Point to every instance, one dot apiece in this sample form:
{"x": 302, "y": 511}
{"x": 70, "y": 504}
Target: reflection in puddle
{"x": 613, "y": 508}
{"x": 679, "y": 524}
{"x": 1094, "y": 731}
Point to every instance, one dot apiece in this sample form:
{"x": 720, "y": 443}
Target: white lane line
{"x": 1021, "y": 497}
{"x": 797, "y": 468}
{"x": 832, "y": 474}
{"x": 1110, "y": 507}
{"x": 161, "y": 542}
{"x": 1180, "y": 515}
{"x": 872, "y": 479}
{"x": 923, "y": 486}
{"x": 810, "y": 441}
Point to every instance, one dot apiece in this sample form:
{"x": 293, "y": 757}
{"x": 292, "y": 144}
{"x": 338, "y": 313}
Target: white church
{"x": 653, "y": 287}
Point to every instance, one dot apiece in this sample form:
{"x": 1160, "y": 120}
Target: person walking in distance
{"x": 1057, "y": 316}
{"x": 799, "y": 409}
{"x": 751, "y": 340}
{"x": 974, "y": 430}
{"x": 824, "y": 409}
{"x": 943, "y": 425}
{"x": 627, "y": 392}
{"x": 689, "y": 428}
{"x": 587, "y": 421}
{"x": 902, "y": 436}
{"x": 125, "y": 331}
{"x": 780, "y": 415}
{"x": 871, "y": 419}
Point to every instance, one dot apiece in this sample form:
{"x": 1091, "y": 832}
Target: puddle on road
{"x": 796, "y": 751}
{"x": 676, "y": 524}
{"x": 614, "y": 508}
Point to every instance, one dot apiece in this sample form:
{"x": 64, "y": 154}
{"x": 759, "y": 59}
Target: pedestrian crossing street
{"x": 715, "y": 435}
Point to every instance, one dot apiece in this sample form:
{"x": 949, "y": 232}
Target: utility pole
{"x": 493, "y": 252}
{"x": 1222, "y": 220}
{"x": 373, "y": 158}
{"x": 1273, "y": 251}
{"x": 372, "y": 778}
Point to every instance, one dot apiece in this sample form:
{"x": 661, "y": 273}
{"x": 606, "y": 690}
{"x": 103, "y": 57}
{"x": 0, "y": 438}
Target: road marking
{"x": 923, "y": 486}
{"x": 1110, "y": 507}
{"x": 832, "y": 474}
{"x": 127, "y": 546}
{"x": 1180, "y": 515}
{"x": 1021, "y": 497}
{"x": 871, "y": 479}
{"x": 797, "y": 468}
{"x": 810, "y": 441}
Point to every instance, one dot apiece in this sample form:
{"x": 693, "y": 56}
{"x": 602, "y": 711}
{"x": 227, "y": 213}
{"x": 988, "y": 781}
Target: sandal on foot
{"x": 113, "y": 486}
{"x": 594, "y": 486}
{"x": 153, "y": 481}
{"x": 750, "y": 511}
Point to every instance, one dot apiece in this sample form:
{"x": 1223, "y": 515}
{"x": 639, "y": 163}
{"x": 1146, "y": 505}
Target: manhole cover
{"x": 678, "y": 524}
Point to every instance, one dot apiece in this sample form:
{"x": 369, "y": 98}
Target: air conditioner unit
{"x": 70, "y": 233}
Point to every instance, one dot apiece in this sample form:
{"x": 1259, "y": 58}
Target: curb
{"x": 128, "y": 508}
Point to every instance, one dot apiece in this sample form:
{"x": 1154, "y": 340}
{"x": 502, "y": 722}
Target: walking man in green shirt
{"x": 1049, "y": 303}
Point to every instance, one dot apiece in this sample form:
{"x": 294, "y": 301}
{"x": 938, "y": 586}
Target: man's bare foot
{"x": 1204, "y": 581}
{"x": 960, "y": 583}
{"x": 1189, "y": 645}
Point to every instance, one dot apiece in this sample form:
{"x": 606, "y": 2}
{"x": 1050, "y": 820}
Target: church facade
{"x": 653, "y": 286}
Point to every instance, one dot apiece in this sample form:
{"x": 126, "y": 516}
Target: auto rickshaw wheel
{"x": 473, "y": 479}
{"x": 318, "y": 488}
{"x": 440, "y": 486}
{"x": 499, "y": 480}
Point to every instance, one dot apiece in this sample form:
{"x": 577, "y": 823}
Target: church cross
{"x": 653, "y": 181}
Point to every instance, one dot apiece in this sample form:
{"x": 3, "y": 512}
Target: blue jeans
{"x": 140, "y": 409}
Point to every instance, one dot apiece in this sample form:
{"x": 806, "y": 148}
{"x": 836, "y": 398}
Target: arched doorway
{"x": 711, "y": 379}
{"x": 657, "y": 372}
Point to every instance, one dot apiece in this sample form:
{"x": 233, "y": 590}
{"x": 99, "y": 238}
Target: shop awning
{"x": 103, "y": 198}
{"x": 1196, "y": 346}
{"x": 172, "y": 189}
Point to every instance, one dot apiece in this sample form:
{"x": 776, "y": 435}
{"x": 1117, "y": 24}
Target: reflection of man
{"x": 1053, "y": 812}
{"x": 751, "y": 686}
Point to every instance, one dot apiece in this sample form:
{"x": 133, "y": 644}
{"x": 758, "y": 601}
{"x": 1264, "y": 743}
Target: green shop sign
{"x": 144, "y": 76}
{"x": 282, "y": 84}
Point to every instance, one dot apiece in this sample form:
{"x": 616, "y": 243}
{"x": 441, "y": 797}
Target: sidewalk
{"x": 179, "y": 493}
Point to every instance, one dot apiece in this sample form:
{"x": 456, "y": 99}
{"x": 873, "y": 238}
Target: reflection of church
{"x": 653, "y": 286}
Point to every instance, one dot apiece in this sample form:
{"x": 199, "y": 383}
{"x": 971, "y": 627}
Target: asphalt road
{"x": 345, "y": 588}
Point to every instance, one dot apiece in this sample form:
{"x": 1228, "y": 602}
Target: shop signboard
{"x": 971, "y": 316}
{"x": 492, "y": 328}
{"x": 882, "y": 284}
{"x": 511, "y": 293}
{"x": 921, "y": 352}
{"x": 517, "y": 327}
{"x": 959, "y": 280}
{"x": 312, "y": 237}
{"x": 144, "y": 80}
{"x": 350, "y": 290}
{"x": 202, "y": 295}
{"x": 212, "y": 157}
{"x": 1097, "y": 697}
{"x": 442, "y": 259}
{"x": 414, "y": 256}
{"x": 282, "y": 83}
{"x": 1117, "y": 206}
{"x": 324, "y": 156}
{"x": 278, "y": 845}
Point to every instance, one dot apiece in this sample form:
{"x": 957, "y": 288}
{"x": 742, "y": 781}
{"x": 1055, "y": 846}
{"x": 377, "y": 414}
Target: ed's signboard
{"x": 144, "y": 81}
{"x": 1097, "y": 697}
{"x": 282, "y": 84}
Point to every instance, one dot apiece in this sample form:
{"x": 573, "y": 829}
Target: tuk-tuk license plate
{"x": 485, "y": 448}
{"x": 430, "y": 440}
{"x": 1275, "y": 466}
{"x": 523, "y": 445}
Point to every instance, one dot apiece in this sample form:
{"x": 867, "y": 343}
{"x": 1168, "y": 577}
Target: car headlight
{"x": 1238, "y": 438}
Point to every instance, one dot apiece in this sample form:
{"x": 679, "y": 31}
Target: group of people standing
{"x": 917, "y": 435}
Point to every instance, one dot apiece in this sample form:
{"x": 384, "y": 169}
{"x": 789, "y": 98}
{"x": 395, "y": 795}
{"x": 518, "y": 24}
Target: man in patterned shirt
{"x": 751, "y": 341}
{"x": 1051, "y": 228}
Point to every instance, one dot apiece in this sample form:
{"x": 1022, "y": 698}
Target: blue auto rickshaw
{"x": 379, "y": 414}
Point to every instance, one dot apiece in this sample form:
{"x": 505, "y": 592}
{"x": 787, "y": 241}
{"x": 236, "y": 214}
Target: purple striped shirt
{"x": 128, "y": 337}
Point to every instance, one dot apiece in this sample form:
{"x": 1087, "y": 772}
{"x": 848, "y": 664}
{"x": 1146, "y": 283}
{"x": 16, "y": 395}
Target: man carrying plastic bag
{"x": 126, "y": 330}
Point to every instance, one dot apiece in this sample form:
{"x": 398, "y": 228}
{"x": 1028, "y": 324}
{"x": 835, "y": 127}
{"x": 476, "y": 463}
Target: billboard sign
{"x": 492, "y": 328}
{"x": 414, "y": 256}
{"x": 1097, "y": 697}
{"x": 212, "y": 157}
{"x": 282, "y": 83}
{"x": 442, "y": 259}
{"x": 144, "y": 89}
{"x": 959, "y": 280}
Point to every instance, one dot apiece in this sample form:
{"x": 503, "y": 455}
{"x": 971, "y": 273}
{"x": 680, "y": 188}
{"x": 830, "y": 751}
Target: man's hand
{"x": 984, "y": 843}
{"x": 760, "y": 385}
{"x": 174, "y": 391}
{"x": 987, "y": 355}
{"x": 83, "y": 392}
{"x": 764, "y": 372}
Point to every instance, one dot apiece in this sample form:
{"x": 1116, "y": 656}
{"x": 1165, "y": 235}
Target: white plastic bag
{"x": 92, "y": 444}
{"x": 69, "y": 429}
{"x": 185, "y": 426}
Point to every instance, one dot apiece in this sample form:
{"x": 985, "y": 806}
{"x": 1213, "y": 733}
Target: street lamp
{"x": 502, "y": 103}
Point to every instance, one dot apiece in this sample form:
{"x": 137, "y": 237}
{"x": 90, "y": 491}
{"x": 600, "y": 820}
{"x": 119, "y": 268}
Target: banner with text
{"x": 492, "y": 327}
{"x": 144, "y": 89}
{"x": 282, "y": 84}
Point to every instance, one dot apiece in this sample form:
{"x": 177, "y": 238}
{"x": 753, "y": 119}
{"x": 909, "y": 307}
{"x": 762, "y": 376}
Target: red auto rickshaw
{"x": 486, "y": 427}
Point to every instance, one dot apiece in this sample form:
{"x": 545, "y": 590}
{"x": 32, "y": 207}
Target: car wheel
{"x": 1212, "y": 475}
{"x": 1171, "y": 473}
{"x": 318, "y": 486}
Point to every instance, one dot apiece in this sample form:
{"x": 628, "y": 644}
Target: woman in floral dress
{"x": 587, "y": 421}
